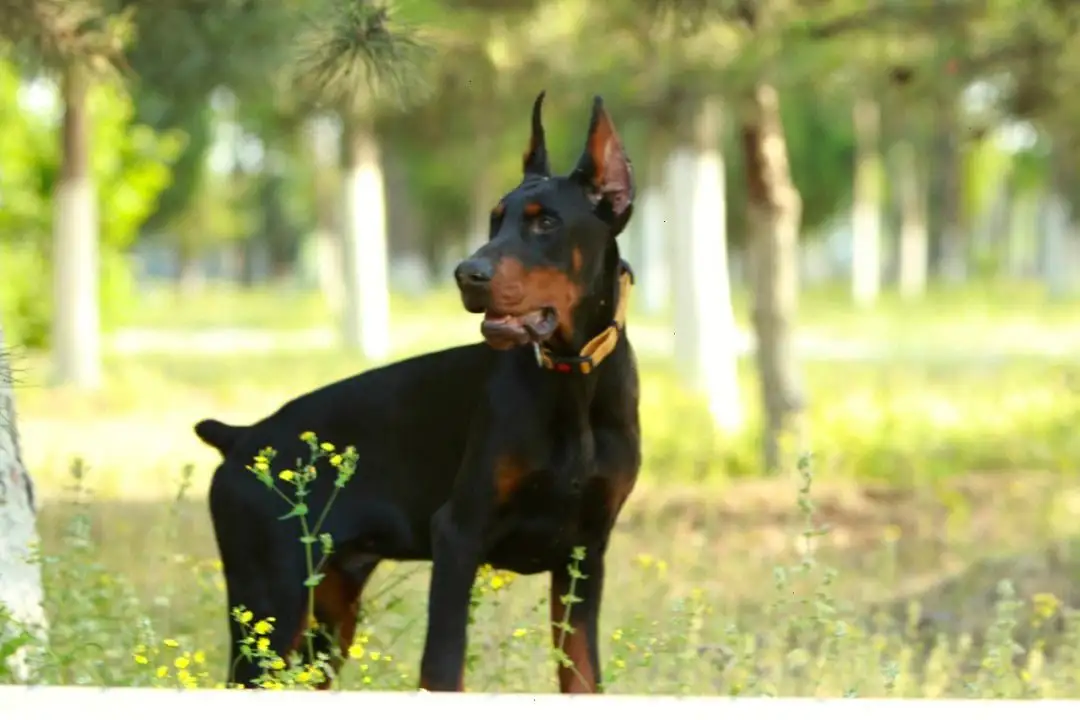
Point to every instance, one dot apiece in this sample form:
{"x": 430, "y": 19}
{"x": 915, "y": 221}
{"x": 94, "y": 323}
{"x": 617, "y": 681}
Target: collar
{"x": 594, "y": 351}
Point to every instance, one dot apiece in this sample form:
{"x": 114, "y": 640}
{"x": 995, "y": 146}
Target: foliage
{"x": 355, "y": 51}
{"x": 53, "y": 34}
{"x": 795, "y": 624}
{"x": 129, "y": 167}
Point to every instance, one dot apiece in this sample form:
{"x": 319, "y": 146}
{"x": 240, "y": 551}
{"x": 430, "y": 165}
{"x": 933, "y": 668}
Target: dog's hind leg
{"x": 264, "y": 580}
{"x": 337, "y": 610}
{"x": 273, "y": 592}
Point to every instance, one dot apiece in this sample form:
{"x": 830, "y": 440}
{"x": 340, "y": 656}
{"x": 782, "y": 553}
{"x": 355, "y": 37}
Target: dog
{"x": 512, "y": 451}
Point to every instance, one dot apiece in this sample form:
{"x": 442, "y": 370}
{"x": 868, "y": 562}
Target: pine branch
{"x": 58, "y": 33}
{"x": 359, "y": 53}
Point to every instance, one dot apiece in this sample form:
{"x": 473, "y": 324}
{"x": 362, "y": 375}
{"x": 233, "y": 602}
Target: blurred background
{"x": 855, "y": 235}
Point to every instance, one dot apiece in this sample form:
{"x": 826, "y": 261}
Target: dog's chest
{"x": 543, "y": 520}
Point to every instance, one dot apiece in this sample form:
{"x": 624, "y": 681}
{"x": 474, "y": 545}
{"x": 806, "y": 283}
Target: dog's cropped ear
{"x": 535, "y": 160}
{"x": 605, "y": 169}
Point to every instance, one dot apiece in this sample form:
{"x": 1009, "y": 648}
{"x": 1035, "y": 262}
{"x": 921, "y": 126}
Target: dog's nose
{"x": 474, "y": 271}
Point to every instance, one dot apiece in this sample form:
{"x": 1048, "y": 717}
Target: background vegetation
{"x": 935, "y": 552}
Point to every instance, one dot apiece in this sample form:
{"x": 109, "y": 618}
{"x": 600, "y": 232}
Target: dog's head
{"x": 552, "y": 248}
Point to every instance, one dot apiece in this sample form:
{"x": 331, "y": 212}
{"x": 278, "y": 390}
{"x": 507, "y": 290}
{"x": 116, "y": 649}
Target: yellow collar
{"x": 594, "y": 351}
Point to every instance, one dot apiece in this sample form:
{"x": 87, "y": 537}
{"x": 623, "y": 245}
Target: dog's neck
{"x": 577, "y": 390}
{"x": 597, "y": 312}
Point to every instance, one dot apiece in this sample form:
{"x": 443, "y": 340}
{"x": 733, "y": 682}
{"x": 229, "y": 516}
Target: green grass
{"x": 706, "y": 594}
{"x": 936, "y": 481}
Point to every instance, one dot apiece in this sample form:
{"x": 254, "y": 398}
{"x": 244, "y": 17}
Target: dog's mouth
{"x": 503, "y": 331}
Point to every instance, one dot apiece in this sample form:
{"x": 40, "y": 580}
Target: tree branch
{"x": 360, "y": 51}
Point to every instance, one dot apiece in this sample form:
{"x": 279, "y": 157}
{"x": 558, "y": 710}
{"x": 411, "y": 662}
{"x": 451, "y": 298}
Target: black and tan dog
{"x": 511, "y": 452}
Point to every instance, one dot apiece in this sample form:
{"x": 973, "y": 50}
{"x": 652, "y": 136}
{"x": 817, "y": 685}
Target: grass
{"x": 934, "y": 483}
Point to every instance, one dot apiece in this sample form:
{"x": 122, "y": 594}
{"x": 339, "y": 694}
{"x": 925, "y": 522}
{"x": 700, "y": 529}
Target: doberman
{"x": 512, "y": 451}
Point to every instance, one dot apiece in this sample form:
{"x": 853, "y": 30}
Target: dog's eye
{"x": 544, "y": 224}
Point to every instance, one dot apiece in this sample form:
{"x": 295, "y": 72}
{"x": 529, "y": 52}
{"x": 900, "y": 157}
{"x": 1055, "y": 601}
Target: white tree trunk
{"x": 866, "y": 205}
{"x": 680, "y": 170}
{"x": 76, "y": 333}
{"x": 367, "y": 293}
{"x": 703, "y": 284}
{"x": 482, "y": 201}
{"x": 654, "y": 236}
{"x": 327, "y": 265}
{"x": 20, "y": 575}
{"x": 914, "y": 231}
{"x": 1023, "y": 229}
{"x": 327, "y": 256}
{"x": 1057, "y": 235}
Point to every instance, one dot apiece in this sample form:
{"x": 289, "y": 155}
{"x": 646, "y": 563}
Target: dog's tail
{"x": 219, "y": 435}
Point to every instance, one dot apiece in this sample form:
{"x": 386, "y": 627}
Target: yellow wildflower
{"x": 336, "y": 460}
{"x": 263, "y": 644}
{"x": 328, "y": 447}
{"x": 262, "y": 627}
{"x": 170, "y": 643}
{"x": 181, "y": 663}
{"x": 307, "y": 436}
{"x": 141, "y": 659}
{"x": 287, "y": 475}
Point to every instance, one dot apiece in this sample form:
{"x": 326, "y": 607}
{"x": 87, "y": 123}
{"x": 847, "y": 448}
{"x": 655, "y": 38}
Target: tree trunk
{"x": 914, "y": 232}
{"x": 866, "y": 204}
{"x": 1023, "y": 232}
{"x": 481, "y": 202}
{"x": 654, "y": 236}
{"x": 76, "y": 320}
{"x": 680, "y": 176}
{"x": 411, "y": 263}
{"x": 327, "y": 239}
{"x": 367, "y": 295}
{"x": 774, "y": 212}
{"x": 21, "y": 594}
{"x": 1059, "y": 232}
{"x": 705, "y": 334}
{"x": 189, "y": 273}
{"x": 952, "y": 251}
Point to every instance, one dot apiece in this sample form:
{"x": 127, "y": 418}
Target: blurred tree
{"x": 353, "y": 58}
{"x": 183, "y": 52}
{"x": 76, "y": 41}
{"x": 774, "y": 205}
{"x": 866, "y": 202}
{"x": 63, "y": 35}
{"x": 129, "y": 166}
{"x": 23, "y": 623}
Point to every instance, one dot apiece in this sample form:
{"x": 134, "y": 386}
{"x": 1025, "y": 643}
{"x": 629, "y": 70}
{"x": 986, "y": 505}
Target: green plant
{"x": 129, "y": 166}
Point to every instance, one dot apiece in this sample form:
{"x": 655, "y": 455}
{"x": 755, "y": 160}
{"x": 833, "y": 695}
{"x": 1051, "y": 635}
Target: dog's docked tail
{"x": 219, "y": 435}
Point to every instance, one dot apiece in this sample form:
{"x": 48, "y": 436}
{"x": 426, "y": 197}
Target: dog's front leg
{"x": 575, "y": 621}
{"x": 457, "y": 547}
{"x": 456, "y": 552}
